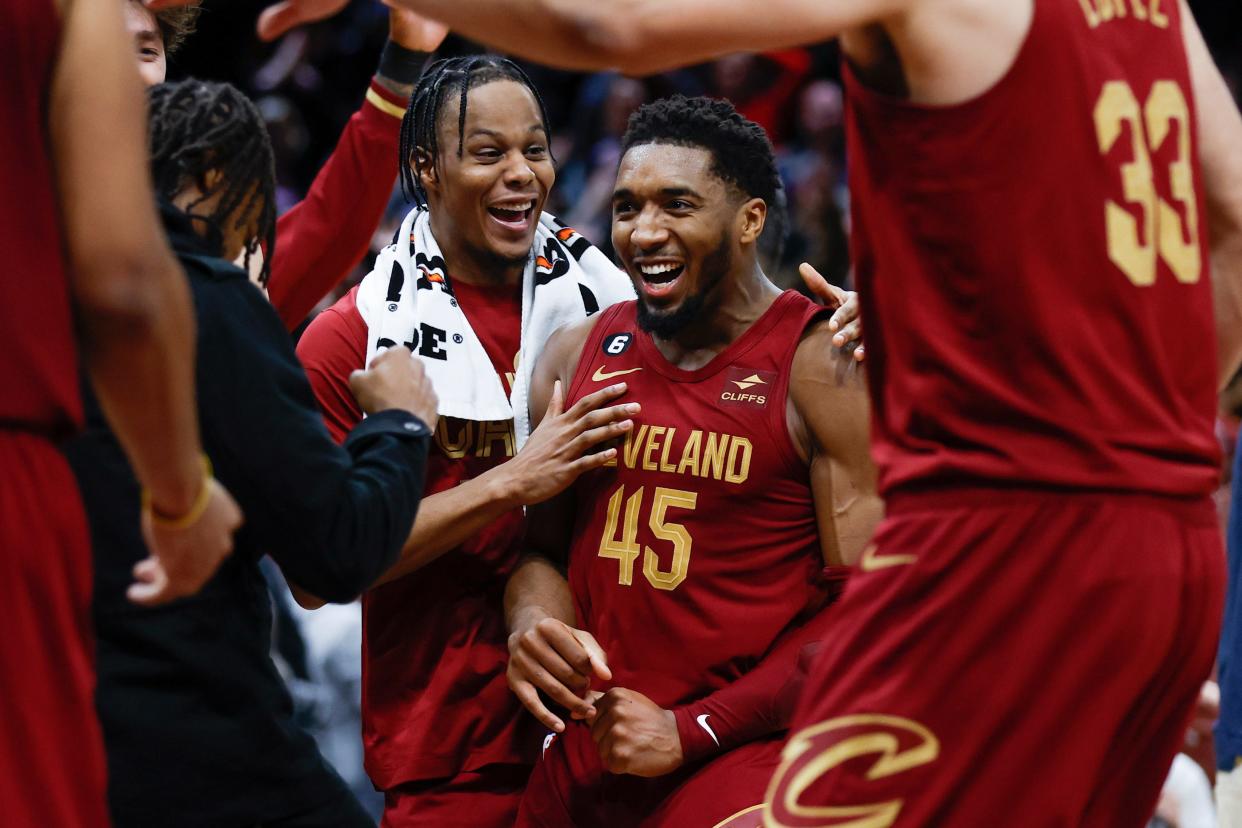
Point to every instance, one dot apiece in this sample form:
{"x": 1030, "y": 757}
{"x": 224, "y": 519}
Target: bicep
{"x": 96, "y": 101}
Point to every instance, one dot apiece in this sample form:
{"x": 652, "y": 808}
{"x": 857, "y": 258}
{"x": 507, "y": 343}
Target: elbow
{"x": 122, "y": 298}
{"x": 609, "y": 35}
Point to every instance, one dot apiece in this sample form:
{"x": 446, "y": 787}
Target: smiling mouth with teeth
{"x": 512, "y": 213}
{"x": 661, "y": 273}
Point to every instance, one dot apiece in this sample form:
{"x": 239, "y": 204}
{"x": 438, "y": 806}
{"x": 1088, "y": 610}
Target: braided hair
{"x": 446, "y": 77}
{"x": 197, "y": 126}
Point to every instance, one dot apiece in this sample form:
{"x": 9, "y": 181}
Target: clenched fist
{"x": 396, "y": 379}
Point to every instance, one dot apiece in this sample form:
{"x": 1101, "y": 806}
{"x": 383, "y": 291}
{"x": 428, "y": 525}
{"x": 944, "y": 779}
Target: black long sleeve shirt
{"x": 197, "y": 722}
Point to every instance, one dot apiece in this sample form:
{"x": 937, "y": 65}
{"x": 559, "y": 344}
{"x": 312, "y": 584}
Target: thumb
{"x": 556, "y": 405}
{"x": 599, "y": 661}
{"x": 278, "y": 19}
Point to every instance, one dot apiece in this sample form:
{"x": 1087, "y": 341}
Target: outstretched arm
{"x": 319, "y": 239}
{"x": 1220, "y": 136}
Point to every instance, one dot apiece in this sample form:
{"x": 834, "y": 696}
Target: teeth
{"x": 656, "y": 270}
{"x": 516, "y": 208}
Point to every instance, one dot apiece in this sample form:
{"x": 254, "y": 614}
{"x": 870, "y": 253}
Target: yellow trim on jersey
{"x": 742, "y": 812}
{"x": 379, "y": 102}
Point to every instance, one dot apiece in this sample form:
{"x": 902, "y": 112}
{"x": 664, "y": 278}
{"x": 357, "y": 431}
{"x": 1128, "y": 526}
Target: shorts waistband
{"x": 1193, "y": 508}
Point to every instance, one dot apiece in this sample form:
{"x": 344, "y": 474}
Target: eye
{"x": 487, "y": 153}
{"x": 537, "y": 150}
{"x": 149, "y": 52}
{"x": 622, "y": 208}
{"x": 679, "y": 204}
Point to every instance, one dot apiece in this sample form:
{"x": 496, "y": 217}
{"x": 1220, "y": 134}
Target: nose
{"x": 518, "y": 173}
{"x": 649, "y": 231}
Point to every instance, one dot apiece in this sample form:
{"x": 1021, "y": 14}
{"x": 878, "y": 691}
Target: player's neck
{"x": 731, "y": 308}
{"x": 465, "y": 262}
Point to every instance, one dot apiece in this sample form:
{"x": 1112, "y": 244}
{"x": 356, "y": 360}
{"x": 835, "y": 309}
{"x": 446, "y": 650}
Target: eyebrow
{"x": 668, "y": 192}
{"x": 147, "y": 35}
{"x": 494, "y": 134}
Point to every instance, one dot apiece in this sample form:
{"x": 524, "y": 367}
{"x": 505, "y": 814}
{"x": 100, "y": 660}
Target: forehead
{"x": 665, "y": 166}
{"x": 140, "y": 21}
{"x": 497, "y": 106}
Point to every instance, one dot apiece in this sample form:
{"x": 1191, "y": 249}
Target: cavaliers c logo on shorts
{"x": 876, "y": 746}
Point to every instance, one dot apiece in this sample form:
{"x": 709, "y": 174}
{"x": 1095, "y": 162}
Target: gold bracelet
{"x": 383, "y": 105}
{"x": 196, "y": 511}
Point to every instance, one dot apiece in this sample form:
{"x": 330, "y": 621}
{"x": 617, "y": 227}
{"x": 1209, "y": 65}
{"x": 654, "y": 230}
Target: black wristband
{"x": 400, "y": 64}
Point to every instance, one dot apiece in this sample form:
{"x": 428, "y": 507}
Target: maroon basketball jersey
{"x": 39, "y": 366}
{"x": 1033, "y": 266}
{"x": 699, "y": 547}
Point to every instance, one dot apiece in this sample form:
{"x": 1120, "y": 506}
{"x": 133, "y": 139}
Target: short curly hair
{"x": 177, "y": 24}
{"x": 741, "y": 152}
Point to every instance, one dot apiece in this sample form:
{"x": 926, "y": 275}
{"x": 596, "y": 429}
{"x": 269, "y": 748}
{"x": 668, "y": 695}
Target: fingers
{"x": 150, "y": 586}
{"x": 598, "y": 662}
{"x": 602, "y": 434}
{"x": 848, "y": 333}
{"x": 818, "y": 285}
{"x": 596, "y": 399}
{"x": 592, "y": 696}
{"x": 529, "y": 697}
{"x": 557, "y": 404}
{"x": 604, "y": 416}
{"x": 277, "y": 19}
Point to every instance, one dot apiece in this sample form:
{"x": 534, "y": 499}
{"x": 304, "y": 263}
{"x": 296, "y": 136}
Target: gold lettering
{"x": 714, "y": 455}
{"x": 1120, "y": 6}
{"x": 1093, "y": 19}
{"x": 739, "y": 461}
{"x": 634, "y": 441}
{"x": 494, "y": 431}
{"x": 653, "y": 443}
{"x": 666, "y": 466}
{"x": 1140, "y": 11}
{"x": 454, "y": 446}
{"x": 1105, "y": 8}
{"x": 690, "y": 454}
{"x": 1158, "y": 18}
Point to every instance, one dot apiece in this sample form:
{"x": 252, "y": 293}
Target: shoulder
{"x": 564, "y": 346}
{"x": 336, "y": 339}
{"x": 821, "y": 371}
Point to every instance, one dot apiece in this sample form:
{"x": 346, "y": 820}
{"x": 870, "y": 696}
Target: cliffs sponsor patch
{"x": 743, "y": 387}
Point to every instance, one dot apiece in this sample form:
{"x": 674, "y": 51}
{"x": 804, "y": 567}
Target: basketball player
{"x": 1032, "y": 626}
{"x": 698, "y": 553}
{"x": 444, "y": 738}
{"x": 79, "y": 238}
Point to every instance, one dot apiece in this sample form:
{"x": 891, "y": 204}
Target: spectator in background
{"x": 197, "y": 722}
{"x": 813, "y": 168}
{"x": 322, "y": 237}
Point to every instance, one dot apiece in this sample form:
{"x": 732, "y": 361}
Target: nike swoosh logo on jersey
{"x": 702, "y": 721}
{"x": 600, "y": 376}
{"x": 873, "y": 560}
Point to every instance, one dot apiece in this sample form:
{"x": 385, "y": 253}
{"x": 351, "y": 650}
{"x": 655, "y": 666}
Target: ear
{"x": 425, "y": 170}
{"x": 210, "y": 180}
{"x": 751, "y": 217}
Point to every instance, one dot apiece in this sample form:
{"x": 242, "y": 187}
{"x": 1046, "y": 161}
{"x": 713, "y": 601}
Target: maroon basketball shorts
{"x": 570, "y": 789}
{"x": 1008, "y": 658}
{"x": 483, "y": 798}
{"x": 52, "y": 769}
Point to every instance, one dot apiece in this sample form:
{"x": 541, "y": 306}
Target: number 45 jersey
{"x": 699, "y": 547}
{"x": 1032, "y": 266}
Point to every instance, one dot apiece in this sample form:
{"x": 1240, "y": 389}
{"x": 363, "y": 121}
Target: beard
{"x": 666, "y": 325}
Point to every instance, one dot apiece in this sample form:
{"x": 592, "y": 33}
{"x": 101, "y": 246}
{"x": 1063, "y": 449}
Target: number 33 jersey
{"x": 1032, "y": 266}
{"x": 699, "y": 546}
